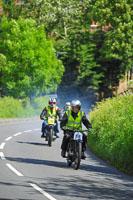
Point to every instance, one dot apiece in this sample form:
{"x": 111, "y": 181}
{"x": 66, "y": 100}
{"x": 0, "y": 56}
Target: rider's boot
{"x": 43, "y": 135}
{"x": 56, "y": 134}
{"x": 83, "y": 155}
{"x": 63, "y": 153}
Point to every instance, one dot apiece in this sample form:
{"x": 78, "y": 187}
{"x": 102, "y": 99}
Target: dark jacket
{"x": 85, "y": 121}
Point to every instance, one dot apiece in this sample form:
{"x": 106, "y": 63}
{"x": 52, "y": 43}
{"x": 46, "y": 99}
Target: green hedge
{"x": 112, "y": 140}
{"x": 13, "y": 108}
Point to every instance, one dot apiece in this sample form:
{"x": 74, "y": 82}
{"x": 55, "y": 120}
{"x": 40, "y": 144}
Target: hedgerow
{"x": 14, "y": 108}
{"x": 112, "y": 140}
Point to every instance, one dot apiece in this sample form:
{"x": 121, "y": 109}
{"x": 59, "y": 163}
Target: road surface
{"x": 31, "y": 170}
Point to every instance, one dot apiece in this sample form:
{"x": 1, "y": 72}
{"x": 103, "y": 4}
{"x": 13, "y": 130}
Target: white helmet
{"x": 68, "y": 104}
{"x": 52, "y": 102}
{"x": 75, "y": 103}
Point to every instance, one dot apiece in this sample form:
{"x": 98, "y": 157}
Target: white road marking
{"x": 43, "y": 192}
{"x": 14, "y": 170}
{"x": 19, "y": 133}
{"x": 7, "y": 139}
{"x": 2, "y": 156}
{"x": 27, "y": 131}
{"x": 37, "y": 129}
{"x": 2, "y": 145}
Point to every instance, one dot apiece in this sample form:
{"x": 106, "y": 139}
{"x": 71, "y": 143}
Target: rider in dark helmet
{"x": 74, "y": 118}
{"x": 51, "y": 110}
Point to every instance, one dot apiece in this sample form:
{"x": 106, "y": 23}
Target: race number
{"x": 78, "y": 136}
{"x": 51, "y": 120}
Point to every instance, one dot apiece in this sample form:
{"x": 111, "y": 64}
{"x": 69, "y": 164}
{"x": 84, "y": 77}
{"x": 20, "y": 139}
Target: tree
{"x": 58, "y": 16}
{"x": 118, "y": 38}
{"x": 30, "y": 63}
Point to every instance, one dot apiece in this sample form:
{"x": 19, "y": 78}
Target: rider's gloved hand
{"x": 64, "y": 128}
{"x": 42, "y": 118}
{"x": 91, "y": 130}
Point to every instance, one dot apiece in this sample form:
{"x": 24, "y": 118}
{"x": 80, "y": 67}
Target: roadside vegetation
{"x": 112, "y": 140}
{"x": 48, "y": 44}
{"x": 13, "y": 108}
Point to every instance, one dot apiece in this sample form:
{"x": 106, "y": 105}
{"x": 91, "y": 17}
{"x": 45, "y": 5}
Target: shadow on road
{"x": 63, "y": 164}
{"x": 33, "y": 143}
{"x": 88, "y": 187}
{"x": 13, "y": 199}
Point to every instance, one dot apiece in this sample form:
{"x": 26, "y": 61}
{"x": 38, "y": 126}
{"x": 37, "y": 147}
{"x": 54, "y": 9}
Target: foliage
{"x": 30, "y": 66}
{"x": 57, "y": 15}
{"x": 39, "y": 103}
{"x": 92, "y": 60}
{"x": 118, "y": 42}
{"x": 13, "y": 108}
{"x": 10, "y": 108}
{"x": 113, "y": 139}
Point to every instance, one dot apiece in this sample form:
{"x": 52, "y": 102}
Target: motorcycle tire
{"x": 78, "y": 155}
{"x": 50, "y": 137}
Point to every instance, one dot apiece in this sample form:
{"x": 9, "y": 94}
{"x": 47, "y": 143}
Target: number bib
{"x": 78, "y": 136}
{"x": 51, "y": 120}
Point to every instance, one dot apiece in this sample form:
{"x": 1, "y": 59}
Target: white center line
{"x": 2, "y": 145}
{"x": 43, "y": 192}
{"x": 18, "y": 134}
{"x": 2, "y": 156}
{"x": 37, "y": 129}
{"x": 27, "y": 131}
{"x": 7, "y": 139}
{"x": 14, "y": 170}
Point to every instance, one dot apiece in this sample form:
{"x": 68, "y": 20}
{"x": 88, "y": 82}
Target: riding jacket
{"x": 75, "y": 120}
{"x": 51, "y": 112}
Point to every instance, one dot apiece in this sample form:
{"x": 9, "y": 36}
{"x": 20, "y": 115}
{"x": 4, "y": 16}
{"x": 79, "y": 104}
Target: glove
{"x": 91, "y": 130}
{"x": 42, "y": 118}
{"x": 64, "y": 128}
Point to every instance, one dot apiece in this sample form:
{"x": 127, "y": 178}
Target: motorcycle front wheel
{"x": 50, "y": 137}
{"x": 78, "y": 152}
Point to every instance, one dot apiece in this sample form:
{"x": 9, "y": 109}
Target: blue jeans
{"x": 44, "y": 126}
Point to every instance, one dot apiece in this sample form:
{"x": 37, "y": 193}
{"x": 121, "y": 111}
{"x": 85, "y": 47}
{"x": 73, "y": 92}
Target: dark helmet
{"x": 75, "y": 103}
{"x": 52, "y": 102}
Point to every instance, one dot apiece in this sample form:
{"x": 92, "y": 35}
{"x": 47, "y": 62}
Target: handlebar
{"x": 74, "y": 130}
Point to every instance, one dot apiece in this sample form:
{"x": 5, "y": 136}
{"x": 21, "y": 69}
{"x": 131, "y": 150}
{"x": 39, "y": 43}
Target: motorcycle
{"x": 50, "y": 130}
{"x": 74, "y": 148}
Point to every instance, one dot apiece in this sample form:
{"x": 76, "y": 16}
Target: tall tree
{"x": 118, "y": 41}
{"x": 30, "y": 63}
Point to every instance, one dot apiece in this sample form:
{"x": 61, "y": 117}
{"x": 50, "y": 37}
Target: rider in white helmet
{"x": 51, "y": 109}
{"x": 74, "y": 118}
{"x": 68, "y": 106}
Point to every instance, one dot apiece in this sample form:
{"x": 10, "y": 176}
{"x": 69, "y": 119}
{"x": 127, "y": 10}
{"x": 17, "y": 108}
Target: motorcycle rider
{"x": 67, "y": 106}
{"x": 51, "y": 110}
{"x": 74, "y": 119}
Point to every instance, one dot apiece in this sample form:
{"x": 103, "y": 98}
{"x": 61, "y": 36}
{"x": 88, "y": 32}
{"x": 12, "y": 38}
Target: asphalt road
{"x": 31, "y": 170}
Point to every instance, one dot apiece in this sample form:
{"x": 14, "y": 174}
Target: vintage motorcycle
{"x": 74, "y": 148}
{"x": 50, "y": 130}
